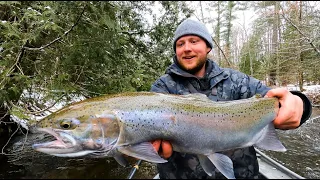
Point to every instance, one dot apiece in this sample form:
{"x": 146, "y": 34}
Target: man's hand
{"x": 166, "y": 148}
{"x": 291, "y": 109}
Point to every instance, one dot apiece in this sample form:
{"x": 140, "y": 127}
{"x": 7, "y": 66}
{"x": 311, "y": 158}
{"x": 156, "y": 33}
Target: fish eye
{"x": 65, "y": 125}
{"x": 69, "y": 123}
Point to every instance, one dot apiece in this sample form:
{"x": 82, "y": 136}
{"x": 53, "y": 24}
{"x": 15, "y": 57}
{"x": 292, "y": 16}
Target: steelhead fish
{"x": 114, "y": 125}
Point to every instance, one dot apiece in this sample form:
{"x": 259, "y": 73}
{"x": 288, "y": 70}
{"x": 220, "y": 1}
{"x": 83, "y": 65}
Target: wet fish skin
{"x": 126, "y": 123}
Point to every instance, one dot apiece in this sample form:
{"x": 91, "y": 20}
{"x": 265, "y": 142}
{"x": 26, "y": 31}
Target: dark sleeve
{"x": 307, "y": 106}
{"x": 249, "y": 86}
{"x": 257, "y": 87}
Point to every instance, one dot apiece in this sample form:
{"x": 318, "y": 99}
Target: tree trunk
{"x": 300, "y": 65}
{"x": 217, "y": 31}
{"x": 274, "y": 72}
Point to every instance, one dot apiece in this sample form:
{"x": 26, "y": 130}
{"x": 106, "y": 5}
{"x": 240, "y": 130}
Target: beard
{"x": 195, "y": 69}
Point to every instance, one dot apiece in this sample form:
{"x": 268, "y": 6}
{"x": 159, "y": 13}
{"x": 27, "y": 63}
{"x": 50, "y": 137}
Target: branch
{"x": 57, "y": 39}
{"x": 12, "y": 69}
{"x": 39, "y": 111}
{"x": 2, "y": 150}
{"x": 229, "y": 64}
{"x": 136, "y": 32}
{"x": 306, "y": 37}
{"x": 130, "y": 33}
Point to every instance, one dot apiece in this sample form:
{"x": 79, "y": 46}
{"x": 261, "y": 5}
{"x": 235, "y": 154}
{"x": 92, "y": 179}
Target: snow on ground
{"x": 308, "y": 89}
{"x": 311, "y": 91}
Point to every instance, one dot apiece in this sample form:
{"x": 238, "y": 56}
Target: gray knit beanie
{"x": 192, "y": 27}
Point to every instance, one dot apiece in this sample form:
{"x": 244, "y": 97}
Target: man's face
{"x": 192, "y": 53}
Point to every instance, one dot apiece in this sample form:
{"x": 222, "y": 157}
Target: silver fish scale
{"x": 187, "y": 129}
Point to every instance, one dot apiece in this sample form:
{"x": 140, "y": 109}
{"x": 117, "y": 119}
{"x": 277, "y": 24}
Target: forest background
{"x": 55, "y": 51}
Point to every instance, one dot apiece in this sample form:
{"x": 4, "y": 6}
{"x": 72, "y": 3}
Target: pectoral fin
{"x": 120, "y": 159}
{"x": 144, "y": 151}
{"x": 222, "y": 162}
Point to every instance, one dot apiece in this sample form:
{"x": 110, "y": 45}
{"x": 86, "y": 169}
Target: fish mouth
{"x": 63, "y": 145}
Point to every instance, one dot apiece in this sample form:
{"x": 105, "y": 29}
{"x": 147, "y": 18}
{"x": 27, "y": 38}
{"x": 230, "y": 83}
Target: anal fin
{"x": 223, "y": 163}
{"x": 270, "y": 140}
{"x": 206, "y": 164}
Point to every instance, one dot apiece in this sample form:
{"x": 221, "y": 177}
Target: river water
{"x": 302, "y": 156}
{"x": 303, "y": 148}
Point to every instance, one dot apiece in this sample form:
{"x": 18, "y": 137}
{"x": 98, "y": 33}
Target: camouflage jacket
{"x": 219, "y": 84}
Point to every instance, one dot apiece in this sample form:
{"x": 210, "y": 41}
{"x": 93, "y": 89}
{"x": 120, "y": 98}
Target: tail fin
{"x": 270, "y": 140}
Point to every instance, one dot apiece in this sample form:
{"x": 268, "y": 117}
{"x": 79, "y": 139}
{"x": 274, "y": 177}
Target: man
{"x": 192, "y": 72}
